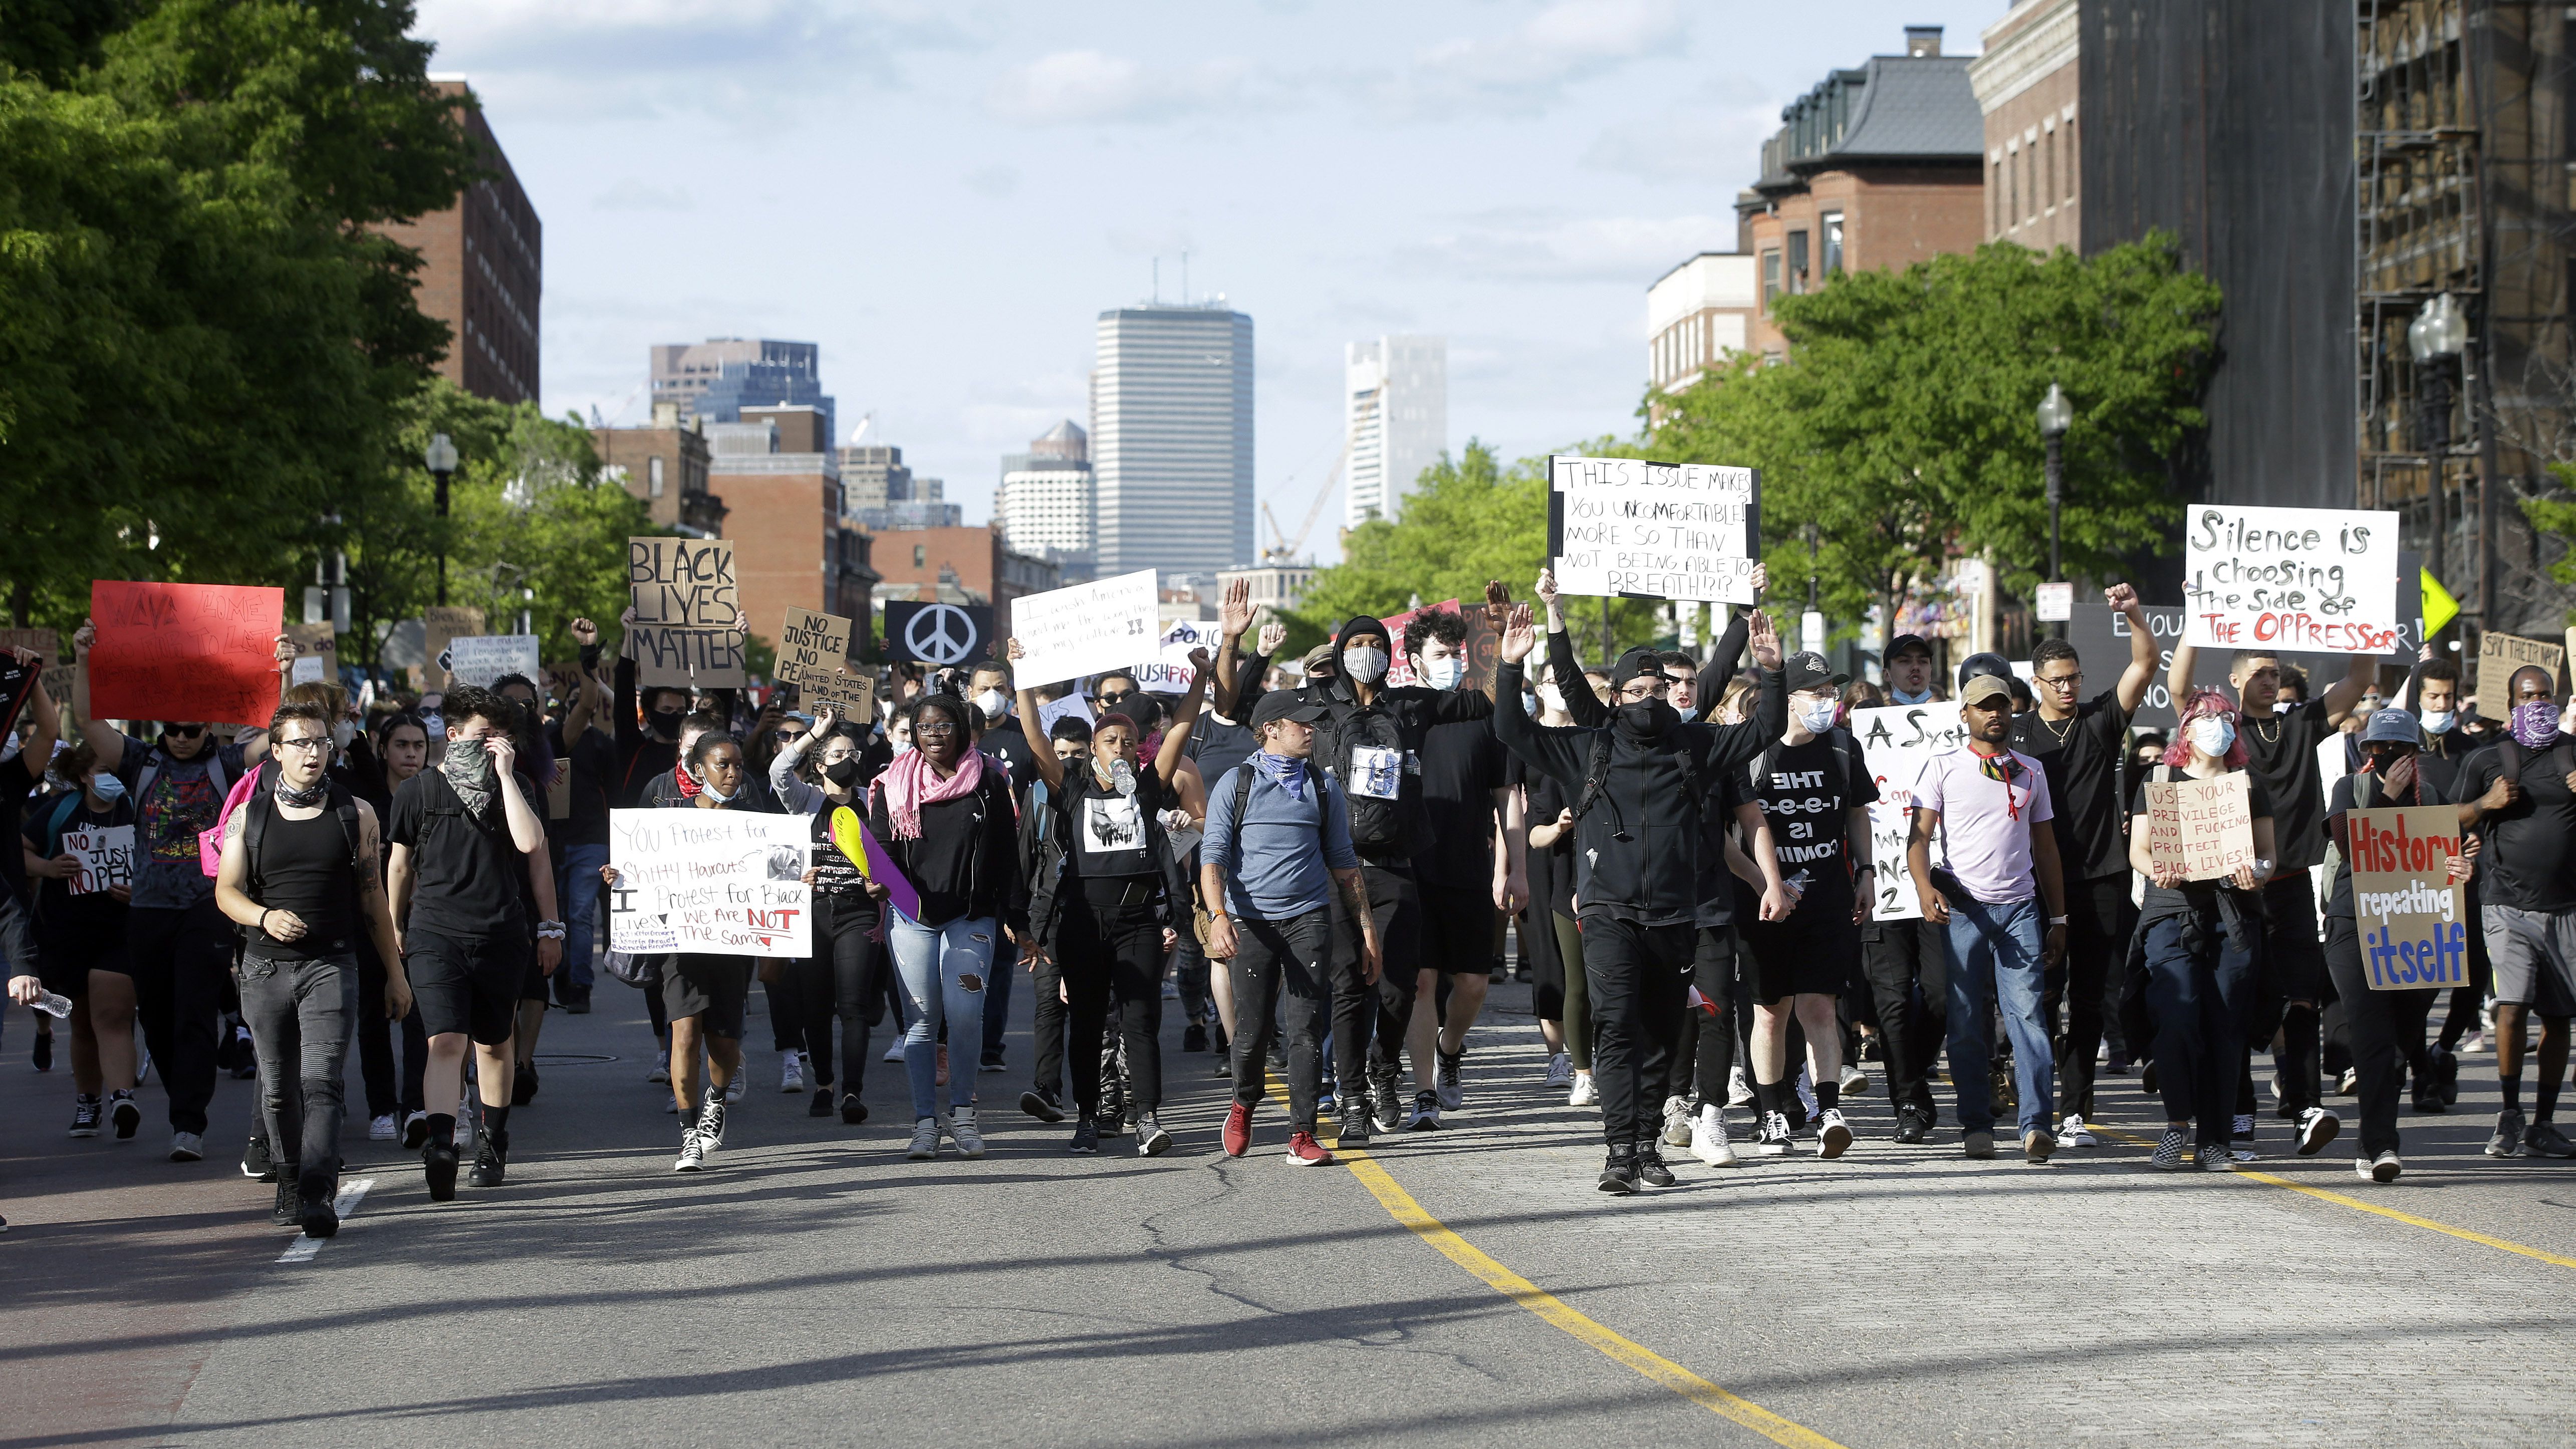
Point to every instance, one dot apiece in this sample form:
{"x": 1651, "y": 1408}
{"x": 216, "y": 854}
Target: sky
{"x": 946, "y": 195}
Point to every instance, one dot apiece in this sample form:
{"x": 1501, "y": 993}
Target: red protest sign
{"x": 195, "y": 652}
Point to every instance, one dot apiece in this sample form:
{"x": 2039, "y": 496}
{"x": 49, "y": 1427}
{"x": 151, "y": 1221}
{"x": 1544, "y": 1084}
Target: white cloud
{"x": 1529, "y": 68}
{"x": 1551, "y": 247}
{"x": 996, "y": 181}
{"x": 630, "y": 194}
{"x": 1074, "y": 87}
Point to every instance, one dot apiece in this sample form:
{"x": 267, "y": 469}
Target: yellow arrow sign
{"x": 2439, "y": 607}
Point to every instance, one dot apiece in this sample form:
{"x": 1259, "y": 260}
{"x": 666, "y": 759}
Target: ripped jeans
{"x": 944, "y": 970}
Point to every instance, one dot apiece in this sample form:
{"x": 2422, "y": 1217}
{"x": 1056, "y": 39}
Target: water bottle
{"x": 1123, "y": 776}
{"x": 53, "y": 1004}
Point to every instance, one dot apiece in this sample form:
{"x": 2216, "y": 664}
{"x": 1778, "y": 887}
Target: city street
{"x": 1468, "y": 1287}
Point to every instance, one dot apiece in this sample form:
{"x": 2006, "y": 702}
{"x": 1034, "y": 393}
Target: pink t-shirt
{"x": 1984, "y": 835}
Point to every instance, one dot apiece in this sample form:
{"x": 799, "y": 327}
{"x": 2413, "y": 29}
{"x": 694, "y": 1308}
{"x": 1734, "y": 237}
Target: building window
{"x": 1770, "y": 279}
{"x": 920, "y": 555}
{"x": 2012, "y": 189}
{"x": 1797, "y": 261}
{"x": 1833, "y": 242}
{"x": 2049, "y": 169}
{"x": 2068, "y": 130}
{"x": 653, "y": 489}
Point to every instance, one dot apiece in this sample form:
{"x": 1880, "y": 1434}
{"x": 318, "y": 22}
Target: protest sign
{"x": 317, "y": 654}
{"x": 939, "y": 635}
{"x": 1073, "y": 704}
{"x": 2414, "y": 933}
{"x": 2317, "y": 579}
{"x": 202, "y": 652}
{"x": 17, "y": 684}
{"x": 2204, "y": 826}
{"x": 104, "y": 856}
{"x": 1086, "y": 629}
{"x": 478, "y": 659}
{"x": 728, "y": 881}
{"x": 1170, "y": 672}
{"x": 2053, "y": 603}
{"x": 1635, "y": 529}
{"x": 688, "y": 615}
{"x": 440, "y": 626}
{"x": 1894, "y": 744}
{"x": 812, "y": 642}
{"x": 564, "y": 679}
{"x": 2499, "y": 655}
{"x": 1399, "y": 665}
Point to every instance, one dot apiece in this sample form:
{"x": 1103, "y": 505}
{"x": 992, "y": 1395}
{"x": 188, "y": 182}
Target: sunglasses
{"x": 183, "y": 731}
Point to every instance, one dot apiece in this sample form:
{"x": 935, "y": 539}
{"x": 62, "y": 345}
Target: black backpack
{"x": 1375, "y": 823}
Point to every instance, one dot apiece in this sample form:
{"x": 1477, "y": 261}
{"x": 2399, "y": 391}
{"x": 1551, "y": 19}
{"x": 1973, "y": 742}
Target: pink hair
{"x": 2206, "y": 703}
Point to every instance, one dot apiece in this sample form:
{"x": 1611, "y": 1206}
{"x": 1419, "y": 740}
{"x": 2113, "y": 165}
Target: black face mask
{"x": 843, "y": 772}
{"x": 666, "y": 723}
{"x": 1647, "y": 719}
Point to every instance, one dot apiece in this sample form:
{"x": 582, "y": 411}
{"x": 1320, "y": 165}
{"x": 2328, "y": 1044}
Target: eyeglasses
{"x": 309, "y": 744}
{"x": 934, "y": 727}
{"x": 2062, "y": 681}
{"x": 1644, "y": 686}
{"x": 783, "y": 736}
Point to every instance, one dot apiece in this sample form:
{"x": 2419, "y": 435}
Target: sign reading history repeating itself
{"x": 1086, "y": 629}
{"x": 478, "y": 659}
{"x": 2499, "y": 655}
{"x": 2322, "y": 580}
{"x": 940, "y": 635}
{"x": 2204, "y": 826}
{"x": 198, "y": 652}
{"x": 1629, "y": 528}
{"x": 2404, "y": 903}
{"x": 104, "y": 857}
{"x": 718, "y": 881}
{"x": 1894, "y": 744}
{"x": 814, "y": 655}
{"x": 688, "y": 614}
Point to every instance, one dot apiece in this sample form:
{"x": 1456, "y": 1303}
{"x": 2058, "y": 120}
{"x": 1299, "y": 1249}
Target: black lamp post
{"x": 2056, "y": 415}
{"x": 2436, "y": 338}
{"x": 441, "y": 458}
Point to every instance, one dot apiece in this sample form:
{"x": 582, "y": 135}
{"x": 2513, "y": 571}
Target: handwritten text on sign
{"x": 1625, "y": 526}
{"x": 1894, "y": 743}
{"x": 105, "y": 855}
{"x": 717, "y": 881}
{"x": 2500, "y": 657}
{"x": 2404, "y": 904}
{"x": 203, "y": 652}
{"x": 2317, "y": 579}
{"x": 1086, "y": 629}
{"x": 2204, "y": 826}
{"x": 688, "y": 613}
{"x": 478, "y": 659}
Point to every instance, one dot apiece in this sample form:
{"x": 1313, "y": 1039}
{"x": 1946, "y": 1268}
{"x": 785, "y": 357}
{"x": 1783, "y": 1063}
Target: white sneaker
{"x": 187, "y": 1147}
{"x": 1583, "y": 1094}
{"x": 925, "y": 1139}
{"x": 693, "y": 1152}
{"x": 735, "y": 1089}
{"x": 1677, "y": 1120}
{"x": 961, "y": 1130}
{"x": 1833, "y": 1134}
{"x": 1739, "y": 1087}
{"x": 1560, "y": 1070}
{"x": 383, "y": 1129}
{"x": 2073, "y": 1133}
{"x": 1853, "y": 1081}
{"x": 2383, "y": 1168}
{"x": 895, "y": 1053}
{"x": 1708, "y": 1140}
{"x": 792, "y": 1079}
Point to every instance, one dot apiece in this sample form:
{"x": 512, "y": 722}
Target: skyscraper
{"x": 1045, "y": 506}
{"x": 1171, "y": 438}
{"x": 1396, "y": 420}
{"x": 716, "y": 379}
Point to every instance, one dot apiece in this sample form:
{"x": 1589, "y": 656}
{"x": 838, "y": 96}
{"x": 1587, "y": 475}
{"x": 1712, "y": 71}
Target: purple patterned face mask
{"x": 2534, "y": 724}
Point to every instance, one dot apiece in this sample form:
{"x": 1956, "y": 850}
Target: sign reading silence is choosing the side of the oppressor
{"x": 2318, "y": 579}
{"x": 2404, "y": 903}
{"x": 1630, "y": 528}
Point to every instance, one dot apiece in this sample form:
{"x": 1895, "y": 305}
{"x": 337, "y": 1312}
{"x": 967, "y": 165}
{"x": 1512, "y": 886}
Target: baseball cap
{"x": 1285, "y": 704}
{"x": 1982, "y": 688}
{"x": 2391, "y": 726}
{"x": 1321, "y": 654}
{"x": 1636, "y": 661}
{"x": 1905, "y": 642}
{"x": 1807, "y": 669}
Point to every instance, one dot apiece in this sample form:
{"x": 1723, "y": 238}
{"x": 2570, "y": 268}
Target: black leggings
{"x": 844, "y": 976}
{"x": 1707, "y": 1051}
{"x": 376, "y": 1042}
{"x": 1108, "y": 952}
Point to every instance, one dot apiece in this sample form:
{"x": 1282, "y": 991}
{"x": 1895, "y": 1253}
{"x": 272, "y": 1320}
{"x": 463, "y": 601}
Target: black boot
{"x": 284, "y": 1213}
{"x": 491, "y": 1158}
{"x": 314, "y": 1210}
{"x": 438, "y": 1164}
{"x": 1619, "y": 1173}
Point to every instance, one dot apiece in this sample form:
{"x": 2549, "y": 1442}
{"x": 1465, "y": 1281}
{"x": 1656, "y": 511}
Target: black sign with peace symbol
{"x": 938, "y": 634}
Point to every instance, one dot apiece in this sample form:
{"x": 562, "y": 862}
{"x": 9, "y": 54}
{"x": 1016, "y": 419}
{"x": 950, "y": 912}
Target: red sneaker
{"x": 1238, "y": 1130}
{"x": 1305, "y": 1151}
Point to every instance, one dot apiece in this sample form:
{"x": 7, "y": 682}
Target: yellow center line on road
{"x": 1554, "y": 1311}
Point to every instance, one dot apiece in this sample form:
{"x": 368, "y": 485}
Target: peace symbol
{"x": 940, "y": 634}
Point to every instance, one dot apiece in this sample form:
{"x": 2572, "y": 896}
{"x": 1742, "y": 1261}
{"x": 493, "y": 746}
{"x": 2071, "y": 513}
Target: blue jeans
{"x": 936, "y": 964}
{"x": 577, "y": 889}
{"x": 1995, "y": 952}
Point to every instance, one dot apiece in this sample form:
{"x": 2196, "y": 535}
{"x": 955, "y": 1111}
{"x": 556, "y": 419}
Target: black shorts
{"x": 64, "y": 959}
{"x": 1458, "y": 929}
{"x": 466, "y": 985}
{"x": 532, "y": 982}
{"x": 711, "y": 988}
{"x": 1816, "y": 952}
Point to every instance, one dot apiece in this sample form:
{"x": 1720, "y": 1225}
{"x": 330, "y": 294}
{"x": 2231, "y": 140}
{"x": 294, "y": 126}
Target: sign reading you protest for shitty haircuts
{"x": 1629, "y": 528}
{"x": 718, "y": 881}
{"x": 2322, "y": 580}
{"x": 688, "y": 614}
{"x": 2404, "y": 903}
{"x": 1894, "y": 744}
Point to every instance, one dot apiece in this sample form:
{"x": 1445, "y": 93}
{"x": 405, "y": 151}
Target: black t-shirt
{"x": 1551, "y": 867}
{"x": 58, "y": 911}
{"x": 468, "y": 877}
{"x": 1462, "y": 767}
{"x": 2530, "y": 858}
{"x": 1218, "y": 746}
{"x": 2281, "y": 755}
{"x": 1004, "y": 741}
{"x": 16, "y": 782}
{"x": 2082, "y": 765}
{"x": 942, "y": 861}
{"x": 2194, "y": 896}
{"x": 1807, "y": 793}
{"x": 593, "y": 762}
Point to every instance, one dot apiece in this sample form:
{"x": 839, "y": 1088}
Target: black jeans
{"x": 2199, "y": 986}
{"x": 1107, "y": 953}
{"x": 1704, "y": 1050}
{"x": 2292, "y": 969}
{"x": 2387, "y": 1027}
{"x": 1639, "y": 977}
{"x": 376, "y": 1042}
{"x": 1297, "y": 952}
{"x": 182, "y": 960}
{"x": 1908, "y": 965}
{"x": 1397, "y": 907}
{"x": 300, "y": 1015}
{"x": 2099, "y": 920}
{"x": 853, "y": 969}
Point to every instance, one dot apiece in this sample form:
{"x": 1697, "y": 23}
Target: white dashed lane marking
{"x": 352, "y": 1192}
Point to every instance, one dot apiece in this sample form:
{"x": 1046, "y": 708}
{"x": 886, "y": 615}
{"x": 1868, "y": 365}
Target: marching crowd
{"x": 1330, "y": 870}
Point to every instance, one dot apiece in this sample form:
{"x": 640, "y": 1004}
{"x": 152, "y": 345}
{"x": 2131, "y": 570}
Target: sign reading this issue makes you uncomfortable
{"x": 2316, "y": 579}
{"x": 717, "y": 881}
{"x": 1631, "y": 528}
{"x": 2404, "y": 902}
{"x": 688, "y": 614}
{"x": 1086, "y": 629}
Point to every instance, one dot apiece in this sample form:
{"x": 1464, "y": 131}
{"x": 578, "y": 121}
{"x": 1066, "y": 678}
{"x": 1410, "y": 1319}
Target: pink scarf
{"x": 909, "y": 783}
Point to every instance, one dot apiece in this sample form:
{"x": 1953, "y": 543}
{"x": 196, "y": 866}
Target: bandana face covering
{"x": 2535, "y": 724}
{"x": 468, "y": 768}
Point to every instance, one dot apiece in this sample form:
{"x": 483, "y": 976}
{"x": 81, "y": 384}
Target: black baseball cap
{"x": 1907, "y": 643}
{"x": 1806, "y": 670}
{"x": 1286, "y": 704}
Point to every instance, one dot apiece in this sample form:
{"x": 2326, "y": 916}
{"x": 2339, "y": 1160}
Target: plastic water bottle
{"x": 53, "y": 1004}
{"x": 1123, "y": 776}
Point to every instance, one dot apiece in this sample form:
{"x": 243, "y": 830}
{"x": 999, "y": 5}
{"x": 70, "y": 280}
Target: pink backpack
{"x": 210, "y": 843}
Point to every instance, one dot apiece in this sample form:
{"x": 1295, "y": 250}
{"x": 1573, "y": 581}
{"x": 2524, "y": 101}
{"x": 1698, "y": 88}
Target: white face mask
{"x": 1368, "y": 666}
{"x": 342, "y": 733}
{"x": 2439, "y": 722}
{"x": 1551, "y": 697}
{"x": 2213, "y": 737}
{"x": 1444, "y": 673}
{"x": 992, "y": 702}
{"x": 1817, "y": 715}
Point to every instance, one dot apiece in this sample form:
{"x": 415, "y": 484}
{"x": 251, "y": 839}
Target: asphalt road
{"x": 814, "y": 1287}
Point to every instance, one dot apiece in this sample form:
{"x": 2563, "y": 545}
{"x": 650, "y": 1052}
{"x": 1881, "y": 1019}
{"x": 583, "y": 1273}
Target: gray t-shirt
{"x": 182, "y": 801}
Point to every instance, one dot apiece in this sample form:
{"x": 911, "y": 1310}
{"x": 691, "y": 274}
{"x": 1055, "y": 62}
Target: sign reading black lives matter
{"x": 688, "y": 614}
{"x": 1629, "y": 528}
{"x": 938, "y": 635}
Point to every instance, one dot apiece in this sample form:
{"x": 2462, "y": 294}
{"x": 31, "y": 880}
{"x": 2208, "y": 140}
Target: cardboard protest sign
{"x": 18, "y": 682}
{"x": 317, "y": 654}
{"x": 563, "y": 679}
{"x": 2499, "y": 655}
{"x": 105, "y": 855}
{"x": 1894, "y": 744}
{"x": 1086, "y": 629}
{"x": 688, "y": 613}
{"x": 812, "y": 642}
{"x": 939, "y": 635}
{"x": 2414, "y": 932}
{"x": 478, "y": 659}
{"x": 1630, "y": 528}
{"x": 2204, "y": 826}
{"x": 196, "y": 652}
{"x": 1169, "y": 672}
{"x": 725, "y": 881}
{"x": 2317, "y": 579}
{"x": 440, "y": 626}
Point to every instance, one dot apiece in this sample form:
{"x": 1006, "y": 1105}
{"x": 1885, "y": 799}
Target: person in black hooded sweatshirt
{"x": 1640, "y": 785}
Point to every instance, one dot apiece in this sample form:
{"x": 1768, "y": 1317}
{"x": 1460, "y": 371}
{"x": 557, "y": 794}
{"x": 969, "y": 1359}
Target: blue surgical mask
{"x": 2214, "y": 736}
{"x": 1689, "y": 714}
{"x": 1444, "y": 673}
{"x": 1818, "y": 716}
{"x": 2440, "y": 723}
{"x": 107, "y": 787}
{"x": 1529, "y": 703}
{"x": 1920, "y": 696}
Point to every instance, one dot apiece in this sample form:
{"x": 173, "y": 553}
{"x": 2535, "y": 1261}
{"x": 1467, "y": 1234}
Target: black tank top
{"x": 303, "y": 866}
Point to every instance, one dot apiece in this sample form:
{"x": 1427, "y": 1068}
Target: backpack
{"x": 1243, "y": 774}
{"x": 1375, "y": 823}
{"x": 2510, "y": 756}
{"x": 263, "y": 808}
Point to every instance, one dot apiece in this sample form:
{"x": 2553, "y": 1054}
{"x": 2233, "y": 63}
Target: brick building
{"x": 482, "y": 270}
{"x": 2026, "y": 83}
{"x": 782, "y": 500}
{"x": 966, "y": 565}
{"x": 666, "y": 466}
{"x": 1696, "y": 314}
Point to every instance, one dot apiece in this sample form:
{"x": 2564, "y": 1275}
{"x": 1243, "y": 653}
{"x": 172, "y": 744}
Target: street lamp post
{"x": 2436, "y": 338}
{"x": 441, "y": 458}
{"x": 2056, "y": 415}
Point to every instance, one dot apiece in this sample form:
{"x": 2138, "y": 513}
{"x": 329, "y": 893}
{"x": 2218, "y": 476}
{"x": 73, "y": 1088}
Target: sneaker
{"x": 821, "y": 1106}
{"x": 1583, "y": 1094}
{"x": 1979, "y": 1145}
{"x": 1238, "y": 1130}
{"x": 1453, "y": 1095}
{"x": 2545, "y": 1139}
{"x": 1426, "y": 1113}
{"x": 1854, "y": 1082}
{"x": 2216, "y": 1157}
{"x": 711, "y": 1120}
{"x": 1086, "y": 1137}
{"x": 2383, "y": 1168}
{"x": 1833, "y": 1134}
{"x": 317, "y": 1217}
{"x": 2240, "y": 1135}
{"x": 1911, "y": 1124}
{"x": 1739, "y": 1087}
{"x": 1305, "y": 1151}
{"x": 2073, "y": 1133}
{"x": 1677, "y": 1120}
{"x": 925, "y": 1139}
{"x": 1325, "y": 1105}
{"x": 523, "y": 1084}
{"x": 491, "y": 1159}
{"x": 962, "y": 1131}
{"x": 2147, "y": 1079}
{"x": 2472, "y": 1044}
{"x": 86, "y": 1111}
{"x": 2173, "y": 1150}
{"x": 853, "y": 1111}
{"x": 256, "y": 1163}
{"x": 124, "y": 1115}
{"x": 2446, "y": 1076}
{"x": 1151, "y": 1138}
{"x": 2317, "y": 1127}
{"x": 1619, "y": 1171}
{"x": 415, "y": 1133}
{"x": 187, "y": 1147}
{"x": 1355, "y": 1126}
{"x": 693, "y": 1152}
{"x": 660, "y": 1076}
{"x": 1225, "y": 1063}
{"x": 992, "y": 1066}
{"x": 1775, "y": 1140}
{"x": 1560, "y": 1071}
{"x": 283, "y": 1210}
{"x": 895, "y": 1053}
{"x": 1041, "y": 1105}
{"x": 1194, "y": 1037}
{"x": 438, "y": 1168}
{"x": 1386, "y": 1098}
{"x": 1709, "y": 1142}
{"x": 2349, "y": 1084}
{"x": 383, "y": 1129}
{"x": 939, "y": 1076}
{"x": 2036, "y": 1144}
{"x": 1650, "y": 1166}
{"x": 735, "y": 1089}
{"x": 2428, "y": 1097}
{"x": 791, "y": 1075}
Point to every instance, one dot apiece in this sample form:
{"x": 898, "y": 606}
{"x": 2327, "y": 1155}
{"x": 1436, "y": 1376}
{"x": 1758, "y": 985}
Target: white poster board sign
{"x": 2053, "y": 603}
{"x": 1170, "y": 672}
{"x": 1086, "y": 629}
{"x": 717, "y": 881}
{"x": 1073, "y": 705}
{"x": 1626, "y": 527}
{"x": 478, "y": 659}
{"x": 2315, "y": 580}
{"x": 105, "y": 855}
{"x": 1894, "y": 744}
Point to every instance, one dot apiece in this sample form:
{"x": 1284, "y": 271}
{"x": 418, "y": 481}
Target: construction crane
{"x": 1286, "y": 549}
